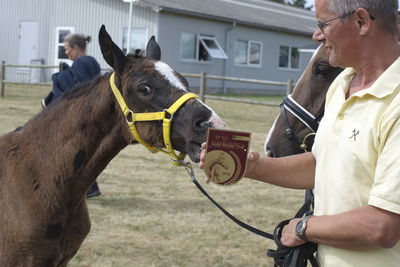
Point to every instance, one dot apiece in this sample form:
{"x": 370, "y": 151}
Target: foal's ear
{"x": 153, "y": 50}
{"x": 111, "y": 52}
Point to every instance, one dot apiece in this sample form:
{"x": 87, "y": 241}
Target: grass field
{"x": 151, "y": 214}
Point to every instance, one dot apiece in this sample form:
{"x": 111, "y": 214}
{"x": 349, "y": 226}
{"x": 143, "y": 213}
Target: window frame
{"x": 289, "y": 56}
{"x": 248, "y": 53}
{"x": 71, "y": 30}
{"x": 200, "y": 40}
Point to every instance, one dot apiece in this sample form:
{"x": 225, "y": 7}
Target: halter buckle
{"x": 131, "y": 114}
{"x": 170, "y": 116}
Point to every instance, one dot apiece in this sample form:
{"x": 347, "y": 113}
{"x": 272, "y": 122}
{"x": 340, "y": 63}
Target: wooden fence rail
{"x": 203, "y": 76}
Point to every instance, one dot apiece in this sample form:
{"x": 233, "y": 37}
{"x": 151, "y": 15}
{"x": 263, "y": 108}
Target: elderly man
{"x": 354, "y": 166}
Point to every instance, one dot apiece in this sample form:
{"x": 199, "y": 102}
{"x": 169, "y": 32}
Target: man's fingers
{"x": 253, "y": 156}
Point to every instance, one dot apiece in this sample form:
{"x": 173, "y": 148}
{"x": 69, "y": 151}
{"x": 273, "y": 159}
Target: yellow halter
{"x": 131, "y": 118}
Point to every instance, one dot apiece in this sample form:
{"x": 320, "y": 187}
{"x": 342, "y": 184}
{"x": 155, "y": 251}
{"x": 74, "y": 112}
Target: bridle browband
{"x": 166, "y": 116}
{"x": 308, "y": 119}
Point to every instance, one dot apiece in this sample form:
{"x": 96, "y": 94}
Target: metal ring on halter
{"x": 129, "y": 112}
{"x": 304, "y": 145}
{"x": 170, "y": 115}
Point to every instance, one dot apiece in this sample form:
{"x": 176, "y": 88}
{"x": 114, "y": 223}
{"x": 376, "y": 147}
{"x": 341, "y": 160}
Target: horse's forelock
{"x": 138, "y": 53}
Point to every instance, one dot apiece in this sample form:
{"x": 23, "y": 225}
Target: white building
{"x": 254, "y": 39}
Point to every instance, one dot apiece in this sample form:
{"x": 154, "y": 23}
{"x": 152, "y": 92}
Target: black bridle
{"x": 308, "y": 119}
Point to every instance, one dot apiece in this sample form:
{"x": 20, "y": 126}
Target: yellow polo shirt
{"x": 357, "y": 150}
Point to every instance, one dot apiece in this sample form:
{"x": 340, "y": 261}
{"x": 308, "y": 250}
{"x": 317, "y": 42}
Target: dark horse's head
{"x": 149, "y": 85}
{"x": 308, "y": 98}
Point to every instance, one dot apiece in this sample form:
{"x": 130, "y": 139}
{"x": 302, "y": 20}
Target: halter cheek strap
{"x": 166, "y": 116}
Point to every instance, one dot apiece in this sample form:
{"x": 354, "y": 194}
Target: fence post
{"x": 2, "y": 76}
{"x": 289, "y": 88}
{"x": 203, "y": 84}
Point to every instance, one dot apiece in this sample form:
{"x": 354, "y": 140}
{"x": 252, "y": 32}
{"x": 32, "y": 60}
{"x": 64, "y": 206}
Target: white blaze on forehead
{"x": 169, "y": 74}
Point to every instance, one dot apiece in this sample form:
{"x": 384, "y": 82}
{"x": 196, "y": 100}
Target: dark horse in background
{"x": 292, "y": 133}
{"x": 47, "y": 165}
{"x": 293, "y": 130}
{"x": 302, "y": 111}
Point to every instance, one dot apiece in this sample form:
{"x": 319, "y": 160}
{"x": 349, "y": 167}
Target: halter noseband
{"x": 309, "y": 120}
{"x": 166, "y": 116}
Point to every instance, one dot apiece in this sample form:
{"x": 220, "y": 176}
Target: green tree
{"x": 296, "y": 3}
{"x": 279, "y": 1}
{"x": 300, "y": 3}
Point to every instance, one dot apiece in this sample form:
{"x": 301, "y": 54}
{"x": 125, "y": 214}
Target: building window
{"x": 200, "y": 48}
{"x": 188, "y": 46}
{"x": 289, "y": 57}
{"x": 61, "y": 33}
{"x": 248, "y": 53}
{"x": 139, "y": 38}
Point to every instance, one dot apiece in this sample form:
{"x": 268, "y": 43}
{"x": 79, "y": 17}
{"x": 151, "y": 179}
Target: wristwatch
{"x": 301, "y": 227}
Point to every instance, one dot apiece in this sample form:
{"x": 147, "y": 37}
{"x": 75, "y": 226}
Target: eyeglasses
{"x": 322, "y": 25}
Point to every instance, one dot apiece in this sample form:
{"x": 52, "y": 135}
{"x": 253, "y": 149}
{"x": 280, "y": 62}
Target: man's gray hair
{"x": 385, "y": 11}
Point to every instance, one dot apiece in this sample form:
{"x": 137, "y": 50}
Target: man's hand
{"x": 252, "y": 159}
{"x": 289, "y": 237}
{"x": 202, "y": 158}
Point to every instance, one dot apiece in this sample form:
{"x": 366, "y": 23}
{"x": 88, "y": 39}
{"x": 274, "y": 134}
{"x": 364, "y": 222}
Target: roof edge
{"x": 220, "y": 18}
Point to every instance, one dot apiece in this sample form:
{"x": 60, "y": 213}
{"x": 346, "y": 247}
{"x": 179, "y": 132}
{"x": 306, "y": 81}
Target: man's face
{"x": 335, "y": 32}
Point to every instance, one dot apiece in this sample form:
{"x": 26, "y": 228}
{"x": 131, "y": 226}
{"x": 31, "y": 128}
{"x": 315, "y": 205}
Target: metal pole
{"x": 2, "y": 75}
{"x": 289, "y": 87}
{"x": 128, "y": 41}
{"x": 226, "y": 60}
{"x": 203, "y": 81}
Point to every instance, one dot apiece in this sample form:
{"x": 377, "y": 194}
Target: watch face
{"x": 299, "y": 227}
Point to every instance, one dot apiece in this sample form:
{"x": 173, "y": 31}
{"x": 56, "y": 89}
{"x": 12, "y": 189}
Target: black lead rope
{"x": 233, "y": 218}
{"x": 294, "y": 256}
{"x": 189, "y": 169}
{"x": 283, "y": 256}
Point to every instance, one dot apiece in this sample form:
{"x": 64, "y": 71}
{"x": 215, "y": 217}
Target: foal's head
{"x": 149, "y": 85}
{"x": 309, "y": 93}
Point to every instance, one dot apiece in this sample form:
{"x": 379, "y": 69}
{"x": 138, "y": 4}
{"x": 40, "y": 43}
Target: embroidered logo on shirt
{"x": 354, "y": 135}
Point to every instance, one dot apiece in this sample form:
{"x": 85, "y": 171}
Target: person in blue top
{"x": 84, "y": 68}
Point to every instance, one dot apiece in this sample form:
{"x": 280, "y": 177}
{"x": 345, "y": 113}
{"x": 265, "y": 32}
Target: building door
{"x": 28, "y": 47}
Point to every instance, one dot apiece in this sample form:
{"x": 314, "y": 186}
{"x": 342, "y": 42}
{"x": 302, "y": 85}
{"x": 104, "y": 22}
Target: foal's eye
{"x": 144, "y": 89}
